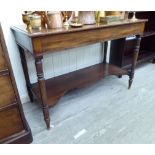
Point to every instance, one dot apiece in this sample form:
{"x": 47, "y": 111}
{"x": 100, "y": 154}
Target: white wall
{"x": 54, "y": 64}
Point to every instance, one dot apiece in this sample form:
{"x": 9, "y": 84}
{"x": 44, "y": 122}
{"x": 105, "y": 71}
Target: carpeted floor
{"x": 104, "y": 112}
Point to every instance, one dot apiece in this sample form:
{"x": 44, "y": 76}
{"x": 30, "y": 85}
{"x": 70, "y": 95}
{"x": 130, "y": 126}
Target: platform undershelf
{"x": 58, "y": 86}
{"x": 148, "y": 34}
{"x": 143, "y": 56}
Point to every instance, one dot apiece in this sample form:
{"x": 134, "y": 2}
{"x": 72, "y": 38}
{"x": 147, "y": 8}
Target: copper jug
{"x": 87, "y": 17}
{"x": 54, "y": 19}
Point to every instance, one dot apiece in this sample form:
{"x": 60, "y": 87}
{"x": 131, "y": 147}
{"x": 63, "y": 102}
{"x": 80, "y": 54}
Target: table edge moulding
{"x": 39, "y": 42}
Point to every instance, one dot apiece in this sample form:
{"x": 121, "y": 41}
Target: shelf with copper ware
{"x": 48, "y": 92}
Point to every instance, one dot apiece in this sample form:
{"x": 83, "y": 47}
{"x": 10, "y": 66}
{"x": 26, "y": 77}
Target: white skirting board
{"x": 25, "y": 98}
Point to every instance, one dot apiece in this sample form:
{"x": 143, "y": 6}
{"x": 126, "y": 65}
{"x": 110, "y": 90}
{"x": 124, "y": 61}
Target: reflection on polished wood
{"x": 46, "y": 31}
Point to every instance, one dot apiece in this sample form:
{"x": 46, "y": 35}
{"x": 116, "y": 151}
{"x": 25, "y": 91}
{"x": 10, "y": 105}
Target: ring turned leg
{"x": 26, "y": 74}
{"x": 105, "y": 51}
{"x": 134, "y": 60}
{"x": 42, "y": 89}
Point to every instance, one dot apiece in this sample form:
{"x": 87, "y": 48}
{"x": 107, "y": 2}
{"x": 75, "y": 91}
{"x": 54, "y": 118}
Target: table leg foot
{"x": 46, "y": 116}
{"x": 119, "y": 76}
{"x": 47, "y": 121}
{"x": 130, "y": 83}
{"x": 31, "y": 97}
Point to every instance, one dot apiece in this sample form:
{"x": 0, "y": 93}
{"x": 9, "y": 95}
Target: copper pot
{"x": 54, "y": 19}
{"x": 87, "y": 17}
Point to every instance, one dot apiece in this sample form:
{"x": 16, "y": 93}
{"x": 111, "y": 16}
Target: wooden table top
{"x": 46, "y": 31}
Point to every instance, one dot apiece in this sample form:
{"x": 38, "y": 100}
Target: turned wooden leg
{"x": 42, "y": 89}
{"x": 26, "y": 74}
{"x": 105, "y": 51}
{"x": 134, "y": 60}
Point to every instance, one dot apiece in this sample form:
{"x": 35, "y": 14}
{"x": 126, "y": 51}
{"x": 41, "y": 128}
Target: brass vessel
{"x": 35, "y": 21}
{"x": 100, "y": 16}
{"x": 26, "y": 20}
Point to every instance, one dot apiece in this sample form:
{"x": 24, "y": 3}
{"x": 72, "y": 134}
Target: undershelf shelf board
{"x": 58, "y": 86}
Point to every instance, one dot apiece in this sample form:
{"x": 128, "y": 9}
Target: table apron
{"x": 64, "y": 41}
